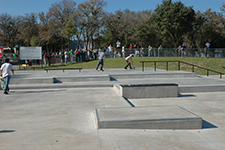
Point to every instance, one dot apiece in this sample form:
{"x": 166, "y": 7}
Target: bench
{"x": 64, "y": 69}
{"x": 32, "y": 67}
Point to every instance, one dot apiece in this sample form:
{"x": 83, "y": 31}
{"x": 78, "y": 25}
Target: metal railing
{"x": 179, "y": 62}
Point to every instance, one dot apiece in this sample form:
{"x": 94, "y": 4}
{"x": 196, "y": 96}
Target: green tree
{"x": 91, "y": 14}
{"x": 8, "y": 30}
{"x": 172, "y": 21}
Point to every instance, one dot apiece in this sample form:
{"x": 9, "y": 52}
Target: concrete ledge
{"x": 149, "y": 90}
{"x": 155, "y": 75}
{"x": 82, "y": 78}
{"x": 203, "y": 88}
{"x": 155, "y": 117}
{"x": 32, "y": 81}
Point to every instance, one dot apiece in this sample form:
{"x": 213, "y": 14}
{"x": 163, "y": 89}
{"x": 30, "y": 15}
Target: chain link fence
{"x": 118, "y": 53}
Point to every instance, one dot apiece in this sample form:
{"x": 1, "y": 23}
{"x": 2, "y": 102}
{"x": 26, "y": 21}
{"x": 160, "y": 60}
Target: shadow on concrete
{"x": 112, "y": 79}
{"x": 7, "y": 131}
{"x": 207, "y": 125}
{"x": 43, "y": 91}
{"x": 129, "y": 102}
{"x": 56, "y": 80}
{"x": 186, "y": 95}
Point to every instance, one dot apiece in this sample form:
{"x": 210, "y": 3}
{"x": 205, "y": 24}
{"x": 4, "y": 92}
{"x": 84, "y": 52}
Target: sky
{"x": 21, "y": 7}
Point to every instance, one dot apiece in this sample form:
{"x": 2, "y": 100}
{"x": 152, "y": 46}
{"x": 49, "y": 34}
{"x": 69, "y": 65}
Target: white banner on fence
{"x": 30, "y": 53}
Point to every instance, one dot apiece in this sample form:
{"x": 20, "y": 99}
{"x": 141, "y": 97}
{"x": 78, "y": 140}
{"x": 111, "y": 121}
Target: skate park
{"x": 87, "y": 110}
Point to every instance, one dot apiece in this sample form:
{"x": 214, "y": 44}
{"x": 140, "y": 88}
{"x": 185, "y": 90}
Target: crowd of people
{"x": 82, "y": 54}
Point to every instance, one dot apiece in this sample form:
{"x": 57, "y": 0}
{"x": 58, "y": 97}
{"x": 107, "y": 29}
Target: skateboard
{"x": 2, "y": 82}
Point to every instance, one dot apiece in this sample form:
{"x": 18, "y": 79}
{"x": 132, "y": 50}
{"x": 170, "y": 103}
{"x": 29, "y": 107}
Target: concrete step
{"x": 50, "y": 80}
{"x": 155, "y": 75}
{"x": 155, "y": 117}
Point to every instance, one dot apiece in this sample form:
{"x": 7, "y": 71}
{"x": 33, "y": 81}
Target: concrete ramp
{"x": 155, "y": 117}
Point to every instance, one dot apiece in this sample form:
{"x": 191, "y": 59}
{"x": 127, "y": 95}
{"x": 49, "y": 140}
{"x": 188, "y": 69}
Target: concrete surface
{"x": 61, "y": 116}
{"x": 148, "y": 90}
{"x": 63, "y": 119}
{"x": 152, "y": 117}
{"x": 187, "y": 82}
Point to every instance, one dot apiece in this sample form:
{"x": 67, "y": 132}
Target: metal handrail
{"x": 179, "y": 62}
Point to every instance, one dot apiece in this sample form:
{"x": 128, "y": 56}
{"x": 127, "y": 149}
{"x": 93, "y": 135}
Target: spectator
{"x": 149, "y": 51}
{"x": 110, "y": 51}
{"x": 183, "y": 50}
{"x": 136, "y": 51}
{"x": 160, "y": 51}
{"x": 90, "y": 54}
{"x": 118, "y": 44}
{"x": 62, "y": 58}
{"x": 131, "y": 47}
{"x": 207, "y": 44}
{"x": 142, "y": 51}
{"x": 115, "y": 53}
{"x": 221, "y": 52}
{"x": 179, "y": 51}
{"x": 45, "y": 58}
{"x": 196, "y": 51}
{"x": 123, "y": 51}
{"x": 66, "y": 56}
{"x": 71, "y": 56}
{"x": 95, "y": 53}
{"x": 118, "y": 55}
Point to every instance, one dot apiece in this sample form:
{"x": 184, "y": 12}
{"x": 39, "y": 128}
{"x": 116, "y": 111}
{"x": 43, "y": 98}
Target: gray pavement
{"x": 61, "y": 116}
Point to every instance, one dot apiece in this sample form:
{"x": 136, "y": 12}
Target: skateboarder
{"x": 101, "y": 60}
{"x": 128, "y": 59}
{"x": 5, "y": 73}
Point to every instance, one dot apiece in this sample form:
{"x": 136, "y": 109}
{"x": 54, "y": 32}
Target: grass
{"x": 209, "y": 63}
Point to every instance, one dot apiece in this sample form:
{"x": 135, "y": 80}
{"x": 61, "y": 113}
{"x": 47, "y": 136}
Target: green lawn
{"x": 209, "y": 63}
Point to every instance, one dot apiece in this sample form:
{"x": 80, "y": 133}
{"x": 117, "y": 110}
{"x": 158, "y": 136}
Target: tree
{"x": 28, "y": 29}
{"x": 172, "y": 21}
{"x": 91, "y": 14}
{"x": 8, "y": 30}
{"x": 59, "y": 14}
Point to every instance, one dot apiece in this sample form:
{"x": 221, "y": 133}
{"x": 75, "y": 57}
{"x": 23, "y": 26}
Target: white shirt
{"x": 66, "y": 54}
{"x": 6, "y": 68}
{"x": 123, "y": 49}
{"x": 207, "y": 44}
{"x": 110, "y": 49}
{"x": 118, "y": 44}
{"x": 129, "y": 57}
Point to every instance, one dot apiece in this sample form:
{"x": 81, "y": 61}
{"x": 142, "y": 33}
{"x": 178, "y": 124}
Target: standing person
{"x": 131, "y": 48}
{"x": 62, "y": 57}
{"x": 149, "y": 51}
{"x": 160, "y": 51}
{"x": 136, "y": 51}
{"x": 90, "y": 54}
{"x": 101, "y": 60}
{"x": 66, "y": 56}
{"x": 128, "y": 59}
{"x": 71, "y": 56}
{"x": 207, "y": 44}
{"x": 179, "y": 51}
{"x": 142, "y": 51}
{"x": 5, "y": 73}
{"x": 123, "y": 51}
{"x": 95, "y": 53}
{"x": 45, "y": 58}
{"x": 183, "y": 50}
{"x": 196, "y": 51}
{"x": 118, "y": 44}
{"x": 110, "y": 51}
